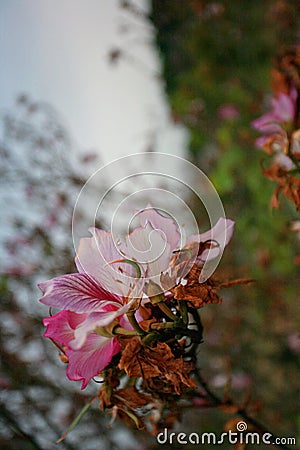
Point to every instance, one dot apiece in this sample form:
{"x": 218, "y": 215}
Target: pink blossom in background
{"x": 228, "y": 111}
{"x": 278, "y": 121}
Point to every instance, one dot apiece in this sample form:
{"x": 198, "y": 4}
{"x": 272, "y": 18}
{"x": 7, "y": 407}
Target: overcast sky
{"x": 57, "y": 51}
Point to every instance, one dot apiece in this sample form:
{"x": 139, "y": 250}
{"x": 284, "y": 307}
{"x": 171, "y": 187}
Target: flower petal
{"x": 221, "y": 233}
{"x": 96, "y": 319}
{"x": 62, "y": 325}
{"x": 165, "y": 225}
{"x": 284, "y": 107}
{"x": 149, "y": 249}
{"x": 95, "y": 257}
{"x": 76, "y": 292}
{"x": 92, "y": 358}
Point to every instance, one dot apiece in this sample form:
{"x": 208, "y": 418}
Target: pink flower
{"x": 86, "y": 306}
{"x": 158, "y": 238}
{"x": 228, "y": 111}
{"x": 111, "y": 278}
{"x": 284, "y": 109}
{"x": 94, "y": 355}
{"x": 149, "y": 247}
{"x": 276, "y": 122}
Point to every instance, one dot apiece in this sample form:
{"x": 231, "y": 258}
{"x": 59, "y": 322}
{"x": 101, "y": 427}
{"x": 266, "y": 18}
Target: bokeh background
{"x": 83, "y": 83}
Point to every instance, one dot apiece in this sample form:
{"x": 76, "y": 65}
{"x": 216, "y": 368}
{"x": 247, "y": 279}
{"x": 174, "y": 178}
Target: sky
{"x": 58, "y": 51}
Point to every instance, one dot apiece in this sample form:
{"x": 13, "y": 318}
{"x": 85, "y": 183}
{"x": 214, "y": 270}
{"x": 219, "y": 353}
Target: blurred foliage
{"x": 41, "y": 177}
{"x": 217, "y": 57}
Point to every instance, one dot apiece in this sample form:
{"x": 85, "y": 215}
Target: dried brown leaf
{"x": 288, "y": 185}
{"x": 139, "y": 360}
{"x": 131, "y": 398}
{"x": 198, "y": 295}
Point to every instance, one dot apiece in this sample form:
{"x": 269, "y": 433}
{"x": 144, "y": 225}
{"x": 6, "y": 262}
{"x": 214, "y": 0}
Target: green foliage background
{"x": 215, "y": 54}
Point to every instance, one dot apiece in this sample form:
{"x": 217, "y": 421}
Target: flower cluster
{"x": 280, "y": 129}
{"x": 130, "y": 314}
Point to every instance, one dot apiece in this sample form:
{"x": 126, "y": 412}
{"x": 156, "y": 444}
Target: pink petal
{"x": 149, "y": 249}
{"x": 96, "y": 319}
{"x": 284, "y": 161}
{"x": 75, "y": 292}
{"x": 94, "y": 355}
{"x": 221, "y": 232}
{"x": 61, "y": 326}
{"x": 264, "y": 120}
{"x": 271, "y": 129}
{"x": 293, "y": 95}
{"x": 95, "y": 256}
{"x": 92, "y": 358}
{"x": 165, "y": 225}
{"x": 261, "y": 141}
{"x": 284, "y": 108}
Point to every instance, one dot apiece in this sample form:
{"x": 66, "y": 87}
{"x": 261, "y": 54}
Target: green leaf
{"x": 76, "y": 420}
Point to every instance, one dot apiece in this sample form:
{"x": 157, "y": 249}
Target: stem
{"x": 130, "y": 382}
{"x": 150, "y": 337}
{"x": 166, "y": 310}
{"x": 183, "y": 311}
{"x": 120, "y": 330}
{"x": 241, "y": 412}
{"x": 162, "y": 325}
{"x": 134, "y": 323}
{"x": 76, "y": 420}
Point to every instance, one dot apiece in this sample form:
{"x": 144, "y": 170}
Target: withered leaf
{"x": 139, "y": 360}
{"x": 198, "y": 295}
{"x": 131, "y": 398}
{"x": 276, "y": 143}
{"x": 146, "y": 324}
{"x": 279, "y": 83}
{"x": 201, "y": 294}
{"x": 288, "y": 185}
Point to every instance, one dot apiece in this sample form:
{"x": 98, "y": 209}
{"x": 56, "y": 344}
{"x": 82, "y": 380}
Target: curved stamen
{"x": 131, "y": 262}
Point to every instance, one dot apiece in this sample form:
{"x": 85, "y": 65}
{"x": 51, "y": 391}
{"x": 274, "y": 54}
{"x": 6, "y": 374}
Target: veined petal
{"x": 149, "y": 249}
{"x": 221, "y": 233}
{"x": 62, "y": 325}
{"x": 165, "y": 225}
{"x": 92, "y": 358}
{"x": 96, "y": 319}
{"x": 96, "y": 256}
{"x": 76, "y": 292}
